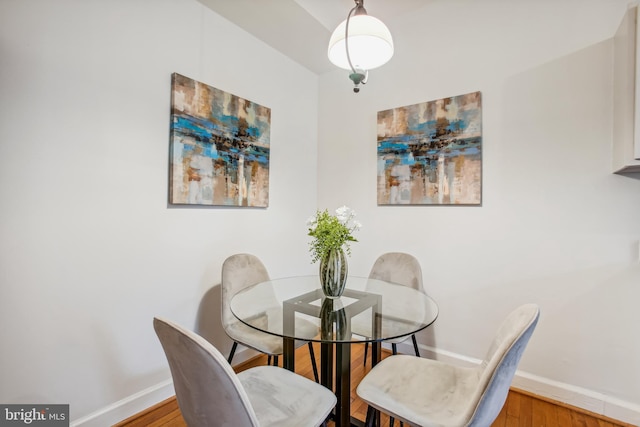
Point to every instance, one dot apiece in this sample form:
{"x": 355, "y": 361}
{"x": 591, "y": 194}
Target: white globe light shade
{"x": 370, "y": 43}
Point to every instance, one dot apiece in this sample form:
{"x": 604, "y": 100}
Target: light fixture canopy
{"x": 360, "y": 43}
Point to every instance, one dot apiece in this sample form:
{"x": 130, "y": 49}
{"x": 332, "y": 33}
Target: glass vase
{"x": 333, "y": 273}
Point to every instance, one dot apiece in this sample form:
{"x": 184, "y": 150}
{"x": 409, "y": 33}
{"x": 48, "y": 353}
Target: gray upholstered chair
{"x": 240, "y": 271}
{"x": 425, "y": 392}
{"x": 403, "y": 269}
{"x": 210, "y": 393}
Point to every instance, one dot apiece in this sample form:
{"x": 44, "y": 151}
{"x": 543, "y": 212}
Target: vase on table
{"x": 333, "y": 273}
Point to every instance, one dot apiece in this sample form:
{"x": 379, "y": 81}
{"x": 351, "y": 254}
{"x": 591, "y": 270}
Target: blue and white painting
{"x": 219, "y": 147}
{"x": 431, "y": 153}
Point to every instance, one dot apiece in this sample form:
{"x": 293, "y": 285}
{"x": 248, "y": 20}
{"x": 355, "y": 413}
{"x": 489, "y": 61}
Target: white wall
{"x": 90, "y": 250}
{"x": 556, "y": 227}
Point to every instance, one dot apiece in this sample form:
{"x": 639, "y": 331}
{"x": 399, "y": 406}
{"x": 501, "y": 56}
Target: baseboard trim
{"x": 568, "y": 394}
{"x": 138, "y": 402}
{"x": 589, "y": 400}
{"x": 127, "y": 407}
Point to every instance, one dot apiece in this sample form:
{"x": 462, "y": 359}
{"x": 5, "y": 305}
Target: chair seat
{"x": 396, "y": 315}
{"x": 426, "y": 392}
{"x": 282, "y": 398}
{"x": 210, "y": 393}
{"x": 239, "y": 272}
{"x": 362, "y": 328}
{"x": 430, "y": 393}
{"x": 263, "y": 342}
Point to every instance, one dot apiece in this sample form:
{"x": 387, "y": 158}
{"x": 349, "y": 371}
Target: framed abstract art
{"x": 220, "y": 145}
{"x": 431, "y": 153}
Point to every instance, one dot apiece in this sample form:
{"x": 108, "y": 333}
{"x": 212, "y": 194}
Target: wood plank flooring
{"x": 521, "y": 409}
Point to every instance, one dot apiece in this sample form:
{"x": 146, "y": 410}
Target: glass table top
{"x": 369, "y": 310}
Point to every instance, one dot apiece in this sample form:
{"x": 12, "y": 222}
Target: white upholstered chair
{"x": 210, "y": 393}
{"x": 240, "y": 271}
{"x": 425, "y": 392}
{"x": 403, "y": 269}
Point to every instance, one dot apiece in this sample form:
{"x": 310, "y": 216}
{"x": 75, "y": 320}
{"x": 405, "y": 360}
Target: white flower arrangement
{"x": 332, "y": 231}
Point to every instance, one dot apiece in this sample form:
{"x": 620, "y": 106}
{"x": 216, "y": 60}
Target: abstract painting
{"x": 219, "y": 147}
{"x": 431, "y": 153}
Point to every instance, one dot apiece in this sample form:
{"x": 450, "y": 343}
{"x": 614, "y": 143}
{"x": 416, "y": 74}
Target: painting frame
{"x": 430, "y": 153}
{"x": 219, "y": 147}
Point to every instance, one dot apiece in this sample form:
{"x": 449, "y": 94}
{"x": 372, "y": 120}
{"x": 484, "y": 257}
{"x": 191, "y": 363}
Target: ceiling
{"x": 301, "y": 29}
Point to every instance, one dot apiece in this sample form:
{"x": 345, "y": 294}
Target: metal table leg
{"x": 326, "y": 365}
{"x": 343, "y": 384}
{"x": 289, "y": 351}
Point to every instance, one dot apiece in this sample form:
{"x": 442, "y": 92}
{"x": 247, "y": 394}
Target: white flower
{"x": 344, "y": 214}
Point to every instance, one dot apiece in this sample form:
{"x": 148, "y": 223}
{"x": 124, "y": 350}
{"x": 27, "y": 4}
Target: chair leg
{"x": 366, "y": 349}
{"x": 394, "y": 347}
{"x": 371, "y": 417}
{"x": 269, "y": 359}
{"x": 313, "y": 362}
{"x": 415, "y": 345}
{"x": 392, "y": 421}
{"x": 233, "y": 351}
{"x": 275, "y": 360}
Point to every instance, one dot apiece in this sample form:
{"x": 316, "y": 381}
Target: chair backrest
{"x": 239, "y": 272}
{"x": 500, "y": 364}
{"x": 207, "y": 389}
{"x": 397, "y": 267}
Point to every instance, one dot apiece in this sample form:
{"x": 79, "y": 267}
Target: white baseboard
{"x": 589, "y": 400}
{"x": 575, "y": 396}
{"x": 138, "y": 402}
{"x": 123, "y": 409}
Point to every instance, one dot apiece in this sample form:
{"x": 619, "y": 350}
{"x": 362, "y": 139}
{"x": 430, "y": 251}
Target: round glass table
{"x": 369, "y": 310}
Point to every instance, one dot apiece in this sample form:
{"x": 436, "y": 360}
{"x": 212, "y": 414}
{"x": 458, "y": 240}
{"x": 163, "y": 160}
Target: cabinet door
{"x": 626, "y": 113}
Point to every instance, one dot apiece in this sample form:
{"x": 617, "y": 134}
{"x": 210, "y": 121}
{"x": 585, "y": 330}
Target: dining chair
{"x": 240, "y": 271}
{"x": 425, "y": 392}
{"x": 210, "y": 393}
{"x": 403, "y": 269}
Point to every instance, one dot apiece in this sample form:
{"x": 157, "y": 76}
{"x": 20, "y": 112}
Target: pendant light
{"x": 359, "y": 44}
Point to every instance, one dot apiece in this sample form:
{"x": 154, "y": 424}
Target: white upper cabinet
{"x": 626, "y": 96}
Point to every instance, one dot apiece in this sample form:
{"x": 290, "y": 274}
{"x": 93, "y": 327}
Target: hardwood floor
{"x": 521, "y": 409}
